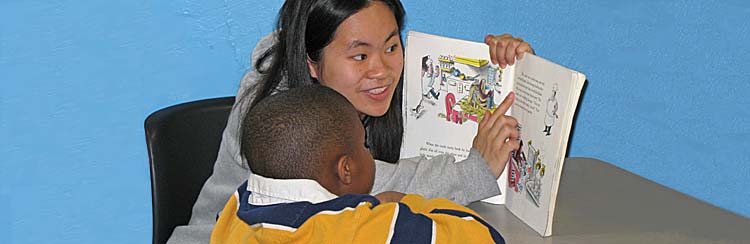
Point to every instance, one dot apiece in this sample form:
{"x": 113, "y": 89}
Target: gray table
{"x": 601, "y": 203}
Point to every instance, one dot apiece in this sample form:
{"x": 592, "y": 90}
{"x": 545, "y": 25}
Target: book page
{"x": 448, "y": 84}
{"x": 544, "y": 108}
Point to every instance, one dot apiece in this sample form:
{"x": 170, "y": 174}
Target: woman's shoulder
{"x": 253, "y": 75}
{"x": 265, "y": 43}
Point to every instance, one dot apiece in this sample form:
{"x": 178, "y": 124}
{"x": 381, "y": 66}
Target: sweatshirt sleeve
{"x": 449, "y": 222}
{"x": 417, "y": 220}
{"x": 440, "y": 176}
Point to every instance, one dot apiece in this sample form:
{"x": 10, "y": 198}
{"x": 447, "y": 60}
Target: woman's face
{"x": 364, "y": 60}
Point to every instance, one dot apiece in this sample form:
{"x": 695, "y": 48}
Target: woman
{"x": 355, "y": 48}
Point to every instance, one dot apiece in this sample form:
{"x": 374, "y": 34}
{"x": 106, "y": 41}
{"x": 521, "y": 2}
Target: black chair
{"x": 183, "y": 141}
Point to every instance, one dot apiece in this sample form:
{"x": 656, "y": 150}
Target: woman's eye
{"x": 391, "y": 49}
{"x": 360, "y": 57}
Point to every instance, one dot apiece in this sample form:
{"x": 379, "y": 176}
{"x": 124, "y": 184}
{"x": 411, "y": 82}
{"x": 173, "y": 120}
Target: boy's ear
{"x": 344, "y": 170}
{"x": 313, "y": 67}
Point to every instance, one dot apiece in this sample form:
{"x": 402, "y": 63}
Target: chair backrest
{"x": 183, "y": 142}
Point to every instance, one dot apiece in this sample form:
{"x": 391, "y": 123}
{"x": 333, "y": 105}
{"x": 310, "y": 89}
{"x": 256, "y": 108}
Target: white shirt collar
{"x": 271, "y": 191}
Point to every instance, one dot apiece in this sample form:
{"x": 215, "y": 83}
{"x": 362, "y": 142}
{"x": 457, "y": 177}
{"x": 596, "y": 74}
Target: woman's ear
{"x": 344, "y": 170}
{"x": 313, "y": 67}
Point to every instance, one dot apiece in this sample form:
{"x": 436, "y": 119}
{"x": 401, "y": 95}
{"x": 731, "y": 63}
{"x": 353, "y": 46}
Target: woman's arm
{"x": 464, "y": 182}
{"x": 440, "y": 176}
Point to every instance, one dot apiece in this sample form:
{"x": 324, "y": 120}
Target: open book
{"x": 448, "y": 86}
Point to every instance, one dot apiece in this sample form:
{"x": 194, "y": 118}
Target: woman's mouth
{"x": 378, "y": 93}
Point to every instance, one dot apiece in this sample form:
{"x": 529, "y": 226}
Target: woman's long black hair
{"x": 304, "y": 28}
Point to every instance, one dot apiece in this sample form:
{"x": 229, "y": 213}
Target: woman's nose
{"x": 378, "y": 67}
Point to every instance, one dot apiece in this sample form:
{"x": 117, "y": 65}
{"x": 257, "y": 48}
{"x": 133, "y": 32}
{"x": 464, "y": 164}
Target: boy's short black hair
{"x": 291, "y": 134}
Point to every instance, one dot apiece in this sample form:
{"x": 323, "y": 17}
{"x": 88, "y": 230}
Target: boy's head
{"x": 309, "y": 132}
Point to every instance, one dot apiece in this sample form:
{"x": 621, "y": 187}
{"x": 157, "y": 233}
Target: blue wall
{"x": 666, "y": 97}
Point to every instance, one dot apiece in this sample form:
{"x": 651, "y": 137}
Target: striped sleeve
{"x": 417, "y": 220}
{"x": 451, "y": 222}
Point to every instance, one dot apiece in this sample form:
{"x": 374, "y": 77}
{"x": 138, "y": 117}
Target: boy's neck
{"x": 271, "y": 191}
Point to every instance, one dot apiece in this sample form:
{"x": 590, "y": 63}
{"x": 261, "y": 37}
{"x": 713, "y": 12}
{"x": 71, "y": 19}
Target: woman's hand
{"x": 497, "y": 136}
{"x": 389, "y": 196}
{"x": 504, "y": 49}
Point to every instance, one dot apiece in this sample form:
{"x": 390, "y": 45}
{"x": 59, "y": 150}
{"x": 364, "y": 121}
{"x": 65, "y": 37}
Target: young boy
{"x": 311, "y": 176}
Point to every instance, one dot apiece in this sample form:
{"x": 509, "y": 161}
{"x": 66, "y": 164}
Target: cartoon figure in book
{"x": 525, "y": 174}
{"x": 469, "y": 85}
{"x": 445, "y": 63}
{"x": 535, "y": 172}
{"x": 534, "y": 183}
{"x": 419, "y": 110}
{"x": 428, "y": 90}
{"x": 443, "y": 79}
{"x": 514, "y": 168}
{"x": 495, "y": 79}
{"x": 428, "y": 78}
{"x": 481, "y": 95}
{"x": 551, "y": 115}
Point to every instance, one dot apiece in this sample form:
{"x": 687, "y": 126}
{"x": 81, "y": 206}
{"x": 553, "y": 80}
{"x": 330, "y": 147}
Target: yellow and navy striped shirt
{"x": 351, "y": 218}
